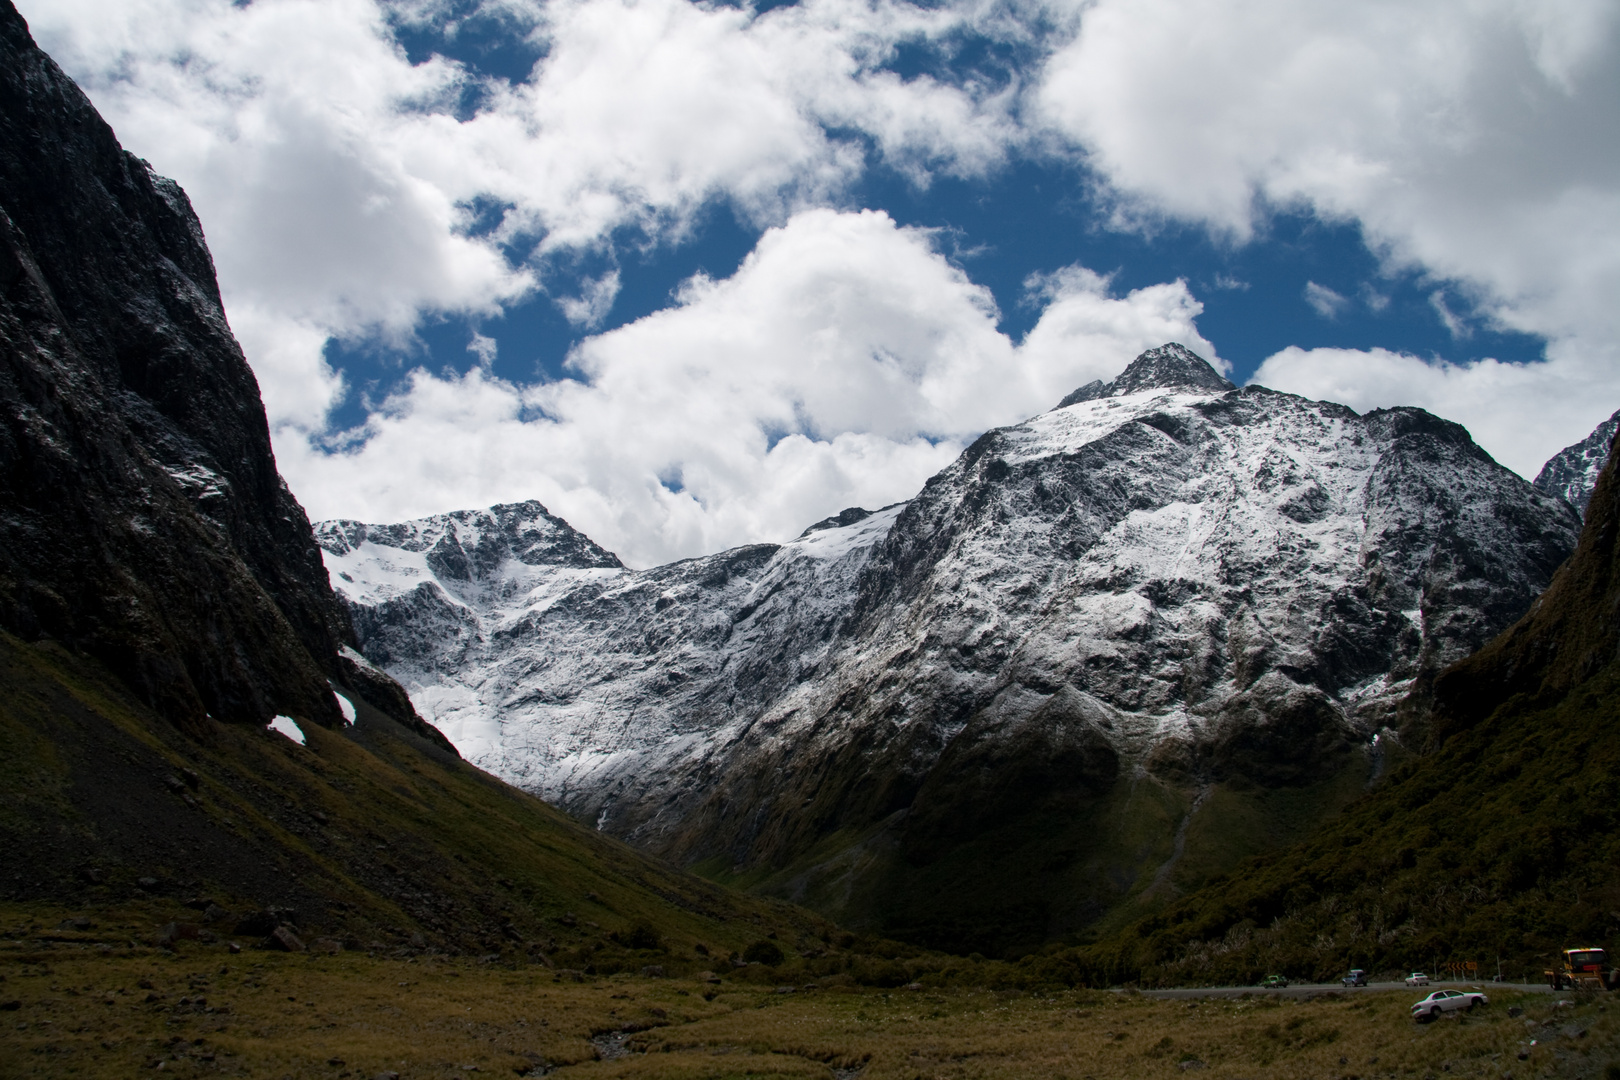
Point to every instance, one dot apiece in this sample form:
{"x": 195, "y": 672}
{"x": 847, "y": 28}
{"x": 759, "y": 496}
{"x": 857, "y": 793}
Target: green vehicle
{"x": 1274, "y": 982}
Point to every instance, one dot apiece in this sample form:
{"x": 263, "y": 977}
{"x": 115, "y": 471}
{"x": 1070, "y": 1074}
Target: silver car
{"x": 1444, "y": 1001}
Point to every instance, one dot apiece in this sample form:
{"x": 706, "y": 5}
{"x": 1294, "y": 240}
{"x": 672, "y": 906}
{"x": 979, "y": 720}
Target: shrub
{"x": 643, "y": 935}
{"x": 763, "y": 952}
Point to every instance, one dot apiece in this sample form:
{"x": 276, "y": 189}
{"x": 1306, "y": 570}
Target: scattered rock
{"x": 147, "y": 883}
{"x": 653, "y": 971}
{"x": 174, "y": 784}
{"x": 610, "y": 1045}
{"x": 264, "y": 923}
{"x": 232, "y": 947}
{"x": 707, "y": 977}
{"x": 282, "y": 937}
{"x": 914, "y": 986}
{"x": 170, "y": 933}
{"x": 386, "y": 1074}
{"x": 1514, "y": 1012}
{"x": 80, "y": 923}
{"x": 1190, "y": 1064}
{"x": 786, "y": 989}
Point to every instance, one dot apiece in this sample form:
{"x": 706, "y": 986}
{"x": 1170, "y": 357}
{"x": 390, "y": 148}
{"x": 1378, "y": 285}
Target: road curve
{"x": 1308, "y": 990}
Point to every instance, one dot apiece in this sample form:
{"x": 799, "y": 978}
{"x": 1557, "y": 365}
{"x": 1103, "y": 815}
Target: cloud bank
{"x": 843, "y": 363}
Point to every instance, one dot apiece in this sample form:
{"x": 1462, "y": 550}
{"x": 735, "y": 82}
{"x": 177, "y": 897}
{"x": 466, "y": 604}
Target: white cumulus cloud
{"x": 339, "y": 183}
{"x": 842, "y": 364}
{"x": 1477, "y": 142}
{"x": 1522, "y": 413}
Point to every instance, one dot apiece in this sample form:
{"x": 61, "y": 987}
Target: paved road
{"x": 1302, "y": 990}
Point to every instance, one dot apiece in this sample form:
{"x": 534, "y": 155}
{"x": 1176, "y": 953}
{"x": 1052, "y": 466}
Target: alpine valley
{"x": 1177, "y": 683}
{"x": 1102, "y": 657}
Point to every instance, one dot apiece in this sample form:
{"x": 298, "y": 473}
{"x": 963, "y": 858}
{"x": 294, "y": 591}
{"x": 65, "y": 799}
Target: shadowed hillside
{"x": 162, "y": 600}
{"x": 1503, "y": 841}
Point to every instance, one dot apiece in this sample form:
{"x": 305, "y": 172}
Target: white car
{"x": 1417, "y": 978}
{"x": 1444, "y": 1001}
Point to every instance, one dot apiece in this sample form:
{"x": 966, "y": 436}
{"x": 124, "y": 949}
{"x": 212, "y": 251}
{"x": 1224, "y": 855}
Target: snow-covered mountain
{"x": 1572, "y": 472}
{"x": 550, "y": 664}
{"x": 1165, "y": 605}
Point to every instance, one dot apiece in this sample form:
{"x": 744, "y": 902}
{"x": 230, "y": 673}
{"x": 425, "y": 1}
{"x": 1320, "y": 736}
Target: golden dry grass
{"x": 86, "y": 1011}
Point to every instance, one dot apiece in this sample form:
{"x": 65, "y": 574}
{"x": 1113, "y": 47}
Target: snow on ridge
{"x": 491, "y": 643}
{"x": 1179, "y": 559}
{"x": 1572, "y": 472}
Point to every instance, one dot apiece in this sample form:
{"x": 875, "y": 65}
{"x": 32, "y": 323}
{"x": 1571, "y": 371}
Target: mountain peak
{"x": 1572, "y": 472}
{"x": 1169, "y": 365}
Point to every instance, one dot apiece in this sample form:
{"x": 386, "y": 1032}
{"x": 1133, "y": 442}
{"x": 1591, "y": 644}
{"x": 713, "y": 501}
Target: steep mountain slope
{"x": 144, "y": 520}
{"x": 1572, "y": 472}
{"x": 1107, "y": 652}
{"x": 1504, "y": 842}
{"x": 370, "y": 835}
{"x": 520, "y": 647}
{"x": 162, "y": 599}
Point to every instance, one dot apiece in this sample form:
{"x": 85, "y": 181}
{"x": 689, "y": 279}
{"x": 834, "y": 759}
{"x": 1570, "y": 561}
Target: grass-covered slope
{"x": 1502, "y": 842}
{"x": 371, "y": 834}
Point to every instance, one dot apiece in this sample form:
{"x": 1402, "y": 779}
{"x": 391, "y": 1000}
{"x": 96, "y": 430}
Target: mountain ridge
{"x": 1200, "y": 598}
{"x": 1500, "y": 843}
{"x": 1572, "y": 472}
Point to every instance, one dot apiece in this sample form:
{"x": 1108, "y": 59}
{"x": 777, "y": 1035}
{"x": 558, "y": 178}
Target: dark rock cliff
{"x": 1570, "y": 633}
{"x": 142, "y": 519}
{"x": 1572, "y": 473}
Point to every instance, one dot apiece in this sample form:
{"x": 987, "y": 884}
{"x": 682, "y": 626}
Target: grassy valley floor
{"x": 77, "y": 1007}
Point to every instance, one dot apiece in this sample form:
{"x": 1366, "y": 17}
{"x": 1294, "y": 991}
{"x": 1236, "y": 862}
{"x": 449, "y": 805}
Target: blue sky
{"x": 694, "y": 275}
{"x": 1034, "y": 215}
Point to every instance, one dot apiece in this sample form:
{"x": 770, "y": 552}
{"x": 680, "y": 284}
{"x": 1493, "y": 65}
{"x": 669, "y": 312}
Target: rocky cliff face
{"x": 1572, "y": 473}
{"x": 1096, "y": 644}
{"x": 142, "y": 518}
{"x": 162, "y": 597}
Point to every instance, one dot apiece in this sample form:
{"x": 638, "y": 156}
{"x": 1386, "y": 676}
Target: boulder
{"x": 283, "y": 938}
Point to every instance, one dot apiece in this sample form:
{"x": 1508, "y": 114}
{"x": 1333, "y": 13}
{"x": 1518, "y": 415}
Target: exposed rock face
{"x": 1167, "y": 581}
{"x": 1570, "y": 633}
{"x": 1572, "y": 472}
{"x": 1168, "y": 365}
{"x": 149, "y": 556}
{"x": 509, "y": 620}
{"x": 141, "y": 515}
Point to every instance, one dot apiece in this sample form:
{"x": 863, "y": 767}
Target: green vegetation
{"x": 86, "y": 1004}
{"x": 371, "y": 835}
{"x": 1076, "y": 872}
{"x": 1503, "y": 844}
